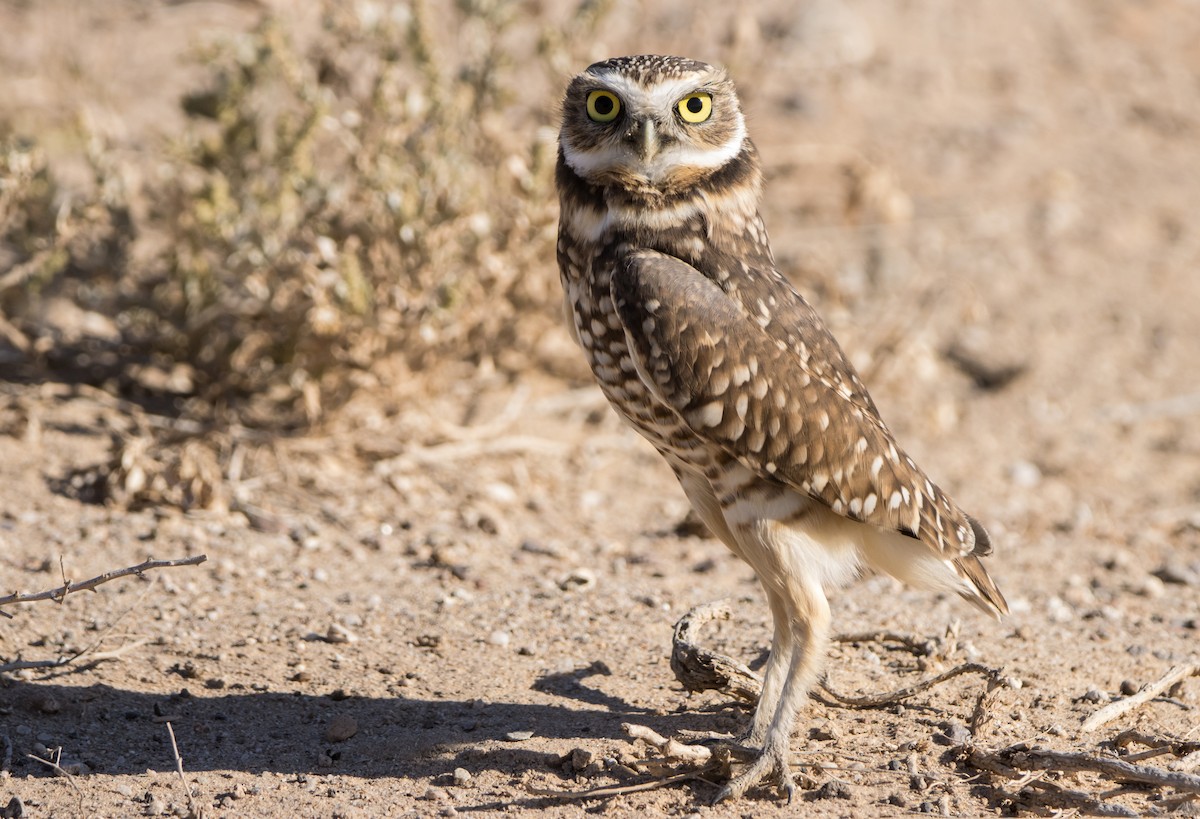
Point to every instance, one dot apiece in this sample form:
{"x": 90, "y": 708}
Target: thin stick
{"x": 70, "y": 588}
{"x": 986, "y": 761}
{"x": 890, "y": 698}
{"x": 1111, "y": 768}
{"x": 179, "y": 769}
{"x": 6, "y": 762}
{"x": 670, "y": 748}
{"x": 920, "y": 646}
{"x": 1147, "y": 692}
{"x": 61, "y": 771}
{"x": 620, "y": 790}
{"x": 98, "y": 657}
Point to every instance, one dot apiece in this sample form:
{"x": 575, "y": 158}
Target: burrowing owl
{"x": 706, "y": 349}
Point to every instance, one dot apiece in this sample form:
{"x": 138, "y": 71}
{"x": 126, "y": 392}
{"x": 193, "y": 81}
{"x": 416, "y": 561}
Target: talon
{"x": 771, "y": 762}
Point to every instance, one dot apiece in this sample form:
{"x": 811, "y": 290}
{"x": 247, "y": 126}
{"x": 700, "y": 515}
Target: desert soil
{"x": 469, "y": 570}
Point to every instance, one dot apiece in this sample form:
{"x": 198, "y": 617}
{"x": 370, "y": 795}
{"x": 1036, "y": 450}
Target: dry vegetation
{"x": 340, "y": 195}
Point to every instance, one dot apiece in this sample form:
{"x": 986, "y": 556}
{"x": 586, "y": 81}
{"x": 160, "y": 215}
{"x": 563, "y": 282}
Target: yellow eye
{"x": 603, "y": 106}
{"x": 696, "y": 107}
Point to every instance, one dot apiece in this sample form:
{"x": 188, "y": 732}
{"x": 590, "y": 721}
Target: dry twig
{"x": 1115, "y": 769}
{"x": 196, "y": 811}
{"x": 699, "y": 669}
{"x": 670, "y": 748}
{"x": 97, "y": 657}
{"x": 621, "y": 790}
{"x": 988, "y": 761}
{"x": 70, "y": 588}
{"x": 892, "y": 697}
{"x": 61, "y": 771}
{"x": 1147, "y": 692}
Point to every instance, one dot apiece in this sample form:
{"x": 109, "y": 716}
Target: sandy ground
{"x": 469, "y": 571}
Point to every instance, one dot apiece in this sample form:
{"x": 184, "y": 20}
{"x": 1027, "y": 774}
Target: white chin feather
{"x": 619, "y": 158}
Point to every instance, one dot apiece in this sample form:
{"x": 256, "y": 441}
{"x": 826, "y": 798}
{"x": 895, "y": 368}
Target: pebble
{"x": 341, "y": 728}
{"x": 499, "y": 638}
{"x": 337, "y": 633}
{"x": 580, "y": 579}
{"x": 1177, "y": 574}
{"x": 1150, "y": 586}
{"x": 15, "y": 809}
{"x": 436, "y": 795}
{"x": 501, "y": 493}
{"x": 518, "y": 736}
{"x": 833, "y": 789}
{"x": 957, "y": 733}
{"x": 461, "y": 776}
{"x": 1024, "y": 474}
{"x": 581, "y": 758}
{"x": 826, "y": 731}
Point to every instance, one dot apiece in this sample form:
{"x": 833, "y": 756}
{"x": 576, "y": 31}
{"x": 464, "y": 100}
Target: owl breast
{"x": 587, "y": 278}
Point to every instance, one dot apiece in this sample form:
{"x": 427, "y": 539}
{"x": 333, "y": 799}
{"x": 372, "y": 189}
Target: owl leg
{"x": 807, "y": 622}
{"x": 778, "y": 664}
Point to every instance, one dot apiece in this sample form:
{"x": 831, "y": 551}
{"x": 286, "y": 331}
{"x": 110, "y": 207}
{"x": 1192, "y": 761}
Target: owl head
{"x": 650, "y": 123}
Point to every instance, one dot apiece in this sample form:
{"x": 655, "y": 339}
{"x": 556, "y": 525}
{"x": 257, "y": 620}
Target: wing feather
{"x": 772, "y": 388}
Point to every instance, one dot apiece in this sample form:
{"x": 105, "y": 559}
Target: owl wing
{"x": 771, "y": 387}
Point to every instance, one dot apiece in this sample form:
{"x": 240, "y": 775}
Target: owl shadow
{"x": 114, "y": 731}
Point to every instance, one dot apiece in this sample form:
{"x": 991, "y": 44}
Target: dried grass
{"x": 379, "y": 187}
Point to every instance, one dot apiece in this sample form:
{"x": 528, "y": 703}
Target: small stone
{"x": 581, "y": 758}
{"x": 341, "y": 728}
{"x": 1024, "y": 474}
{"x": 826, "y": 731}
{"x": 518, "y": 736}
{"x": 957, "y": 733}
{"x": 49, "y": 704}
{"x": 436, "y": 795}
{"x": 461, "y": 776}
{"x": 214, "y": 683}
{"x": 501, "y": 493}
{"x": 580, "y": 579}
{"x": 155, "y": 807}
{"x": 1150, "y": 586}
{"x": 337, "y": 633}
{"x": 833, "y": 789}
{"x": 499, "y": 638}
{"x": 15, "y": 809}
{"x": 1094, "y": 695}
{"x": 1176, "y": 574}
{"x": 1128, "y": 687}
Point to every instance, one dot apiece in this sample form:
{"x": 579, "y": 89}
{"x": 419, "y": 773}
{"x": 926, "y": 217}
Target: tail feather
{"x": 987, "y": 597}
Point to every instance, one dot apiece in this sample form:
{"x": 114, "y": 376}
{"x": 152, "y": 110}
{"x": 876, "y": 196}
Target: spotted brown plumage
{"x": 706, "y": 349}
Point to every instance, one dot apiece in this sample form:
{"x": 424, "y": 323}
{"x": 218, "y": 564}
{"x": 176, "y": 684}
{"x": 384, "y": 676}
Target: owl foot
{"x": 771, "y": 763}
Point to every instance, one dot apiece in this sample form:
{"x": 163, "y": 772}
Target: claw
{"x": 773, "y": 763}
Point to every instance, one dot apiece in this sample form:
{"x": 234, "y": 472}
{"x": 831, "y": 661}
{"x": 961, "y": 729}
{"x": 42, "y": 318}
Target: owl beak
{"x": 644, "y": 135}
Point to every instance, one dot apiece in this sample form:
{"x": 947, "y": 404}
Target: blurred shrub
{"x": 60, "y": 261}
{"x": 365, "y": 194}
{"x": 378, "y": 184}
